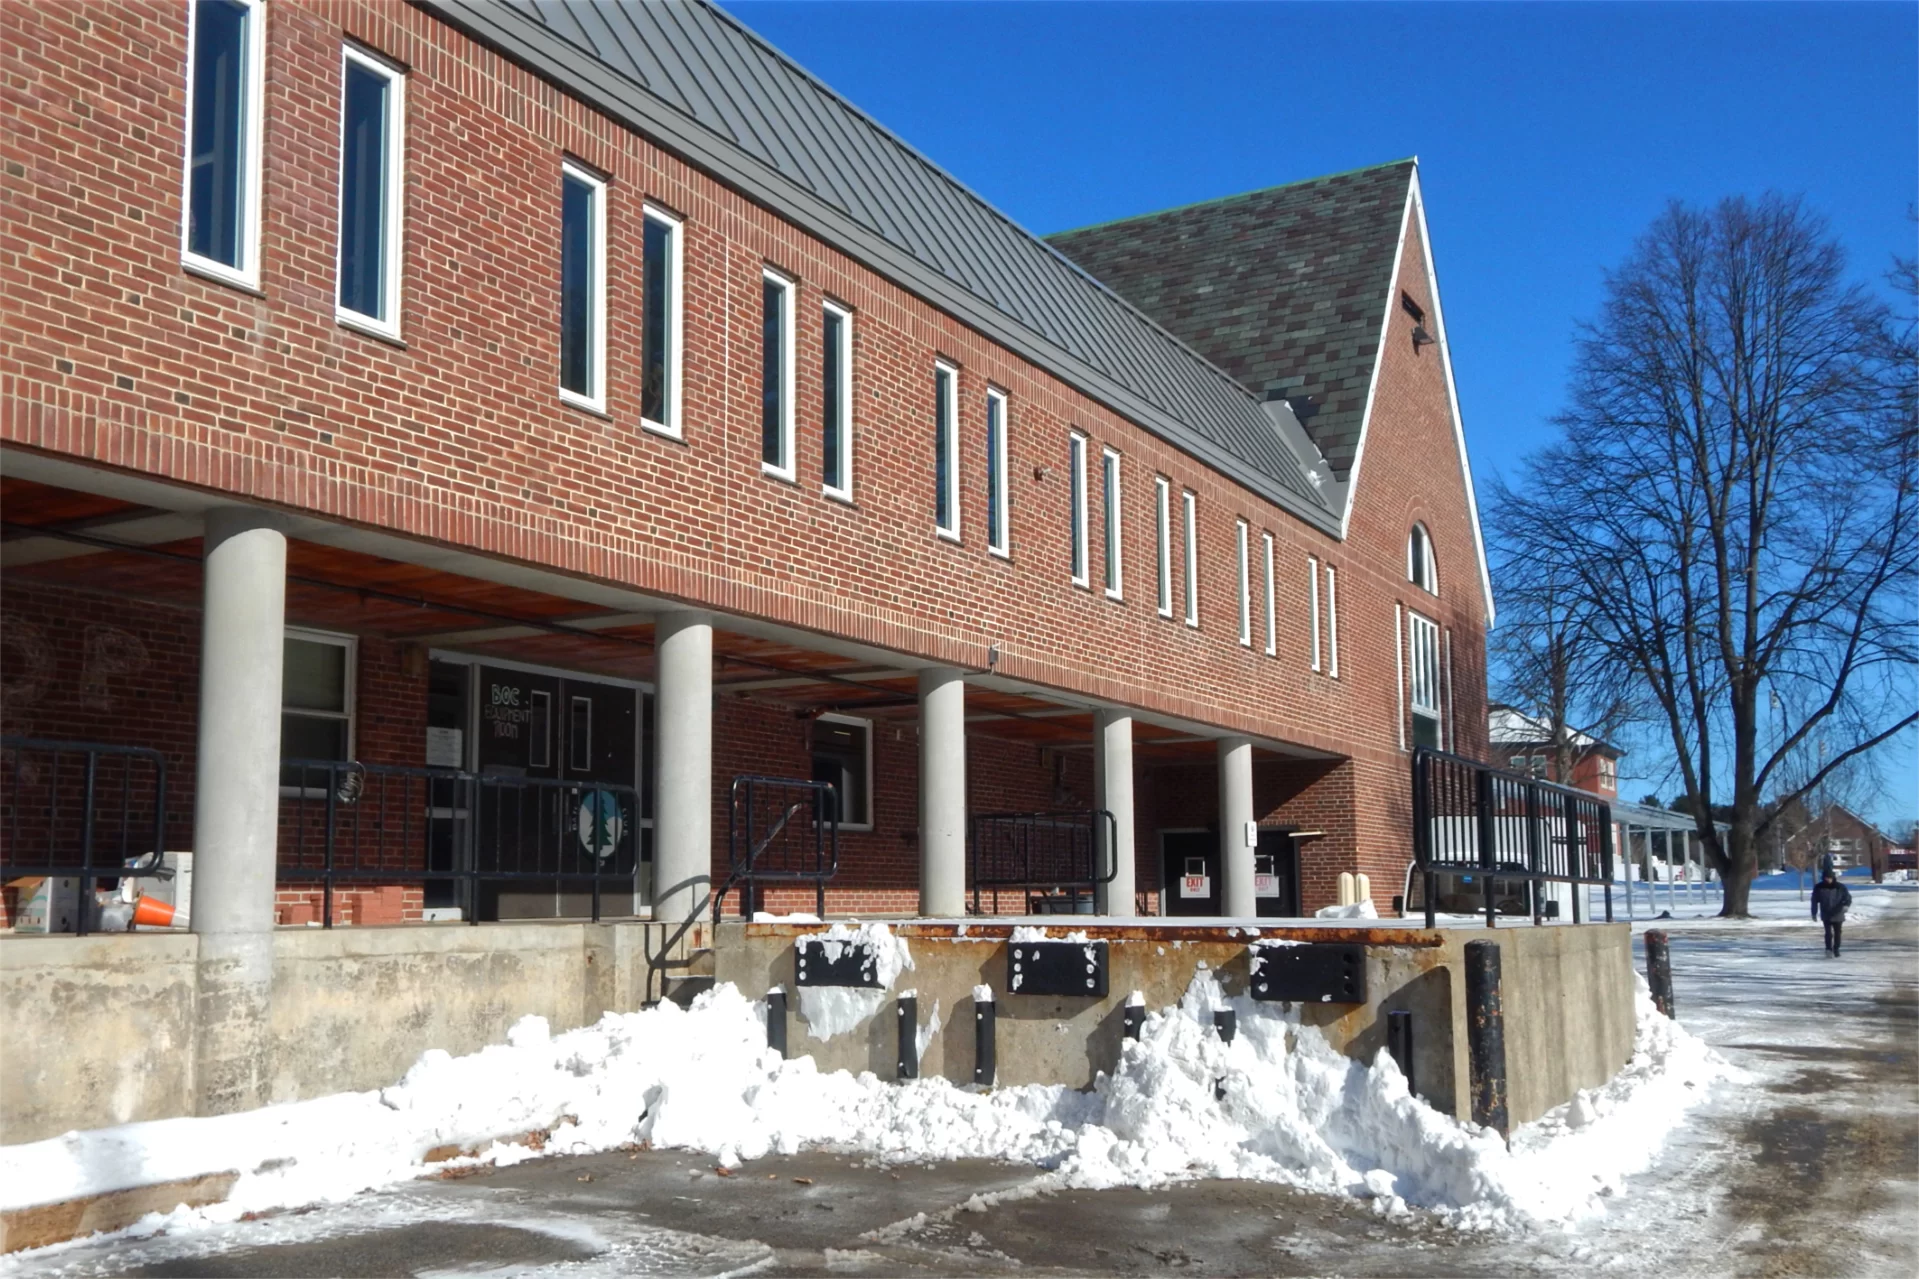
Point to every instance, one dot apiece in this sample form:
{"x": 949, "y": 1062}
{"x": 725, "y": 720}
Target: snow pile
{"x": 1277, "y": 1104}
{"x": 1363, "y": 909}
{"x": 834, "y": 1010}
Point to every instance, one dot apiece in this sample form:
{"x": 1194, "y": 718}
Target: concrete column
{"x": 942, "y": 793}
{"x": 683, "y": 767}
{"x": 1235, "y": 814}
{"x": 236, "y": 805}
{"x": 1113, "y": 791}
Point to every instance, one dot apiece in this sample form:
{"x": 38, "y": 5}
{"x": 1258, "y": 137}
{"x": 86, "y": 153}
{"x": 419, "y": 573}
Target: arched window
{"x": 1420, "y": 570}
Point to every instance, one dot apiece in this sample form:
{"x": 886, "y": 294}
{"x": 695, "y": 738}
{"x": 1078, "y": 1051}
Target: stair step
{"x": 683, "y": 990}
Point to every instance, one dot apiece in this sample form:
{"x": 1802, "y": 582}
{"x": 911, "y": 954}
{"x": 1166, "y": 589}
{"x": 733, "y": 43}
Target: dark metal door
{"x": 1276, "y": 875}
{"x": 1190, "y": 872}
{"x": 543, "y": 741}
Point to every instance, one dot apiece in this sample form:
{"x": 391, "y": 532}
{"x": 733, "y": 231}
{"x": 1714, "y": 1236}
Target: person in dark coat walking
{"x": 1830, "y": 899}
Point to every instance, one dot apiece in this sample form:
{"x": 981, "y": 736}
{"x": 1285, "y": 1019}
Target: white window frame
{"x": 1423, "y": 648}
{"x": 1110, "y": 505}
{"x": 1077, "y": 499}
{"x": 1399, "y": 670}
{"x": 1272, "y": 598}
{"x": 833, "y": 717}
{"x": 787, "y": 468}
{"x": 1419, "y": 546}
{"x": 395, "y": 193}
{"x": 947, "y": 401}
{"x": 1242, "y": 537}
{"x": 1451, "y": 738}
{"x": 1332, "y": 622}
{"x": 349, "y": 698}
{"x": 843, "y": 357}
{"x": 1312, "y": 590}
{"x": 999, "y": 519}
{"x": 674, "y": 427}
{"x": 595, "y": 400}
{"x": 1189, "y": 504}
{"x": 253, "y": 126}
{"x": 1163, "y": 532}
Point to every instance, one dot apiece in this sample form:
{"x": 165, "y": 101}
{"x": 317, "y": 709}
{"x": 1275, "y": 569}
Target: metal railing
{"x": 1510, "y": 834}
{"x": 342, "y": 821}
{"x": 82, "y": 810}
{"x": 779, "y": 830}
{"x": 1047, "y": 856}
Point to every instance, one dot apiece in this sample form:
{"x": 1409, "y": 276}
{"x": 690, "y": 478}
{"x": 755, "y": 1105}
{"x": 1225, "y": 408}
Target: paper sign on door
{"x": 1265, "y": 885}
{"x": 1195, "y": 886}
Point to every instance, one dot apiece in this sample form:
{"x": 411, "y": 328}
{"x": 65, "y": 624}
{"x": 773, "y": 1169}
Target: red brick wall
{"x": 122, "y": 359}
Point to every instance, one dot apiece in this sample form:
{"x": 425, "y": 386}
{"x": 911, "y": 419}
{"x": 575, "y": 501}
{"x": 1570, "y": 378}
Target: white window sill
{"x": 1118, "y": 597}
{"x": 220, "y": 273}
{"x": 661, "y": 428}
{"x": 596, "y": 407}
{"x": 948, "y": 534}
{"x": 1000, "y": 552}
{"x": 839, "y": 495}
{"x": 784, "y": 474}
{"x": 371, "y": 327}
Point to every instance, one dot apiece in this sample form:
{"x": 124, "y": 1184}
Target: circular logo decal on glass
{"x": 600, "y": 823}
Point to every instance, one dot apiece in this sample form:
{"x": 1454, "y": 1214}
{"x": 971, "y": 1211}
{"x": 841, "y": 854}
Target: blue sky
{"x": 1549, "y": 135}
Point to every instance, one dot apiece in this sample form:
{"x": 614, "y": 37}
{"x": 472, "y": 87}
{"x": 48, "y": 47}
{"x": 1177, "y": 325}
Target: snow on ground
{"x": 1278, "y": 1104}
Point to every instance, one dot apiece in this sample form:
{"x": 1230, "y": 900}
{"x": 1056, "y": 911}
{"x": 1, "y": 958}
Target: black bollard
{"x": 776, "y": 1020}
{"x": 1659, "y": 970}
{"x": 1226, "y": 1022}
{"x": 909, "y": 1019}
{"x": 1486, "y": 1036}
{"x": 1131, "y": 1018}
{"x": 985, "y": 1020}
{"x": 1399, "y": 1043}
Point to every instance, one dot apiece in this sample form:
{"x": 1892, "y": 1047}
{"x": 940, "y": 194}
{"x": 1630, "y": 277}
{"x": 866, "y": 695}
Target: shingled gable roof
{"x": 1286, "y": 288}
{"x": 695, "y": 81}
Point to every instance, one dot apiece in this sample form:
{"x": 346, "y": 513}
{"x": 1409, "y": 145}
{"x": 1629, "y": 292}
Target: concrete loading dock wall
{"x": 1568, "y": 995}
{"x": 99, "y": 1030}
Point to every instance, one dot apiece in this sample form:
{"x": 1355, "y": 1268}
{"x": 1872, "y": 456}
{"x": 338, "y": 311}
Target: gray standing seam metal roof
{"x": 1284, "y": 288}
{"x": 696, "y": 81}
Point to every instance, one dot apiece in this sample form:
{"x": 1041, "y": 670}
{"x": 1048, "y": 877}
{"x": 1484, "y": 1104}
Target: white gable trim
{"x": 1416, "y": 205}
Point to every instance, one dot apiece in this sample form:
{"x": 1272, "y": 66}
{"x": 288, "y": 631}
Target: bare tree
{"x": 1547, "y": 666}
{"x": 1731, "y": 509}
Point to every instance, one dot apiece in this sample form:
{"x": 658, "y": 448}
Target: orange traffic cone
{"x": 154, "y": 913}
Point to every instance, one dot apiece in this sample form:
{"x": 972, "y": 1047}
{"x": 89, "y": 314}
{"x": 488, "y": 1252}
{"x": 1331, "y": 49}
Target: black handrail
{"x": 1469, "y": 817}
{"x": 765, "y": 844}
{"x": 1059, "y": 851}
{"x": 39, "y": 798}
{"x": 385, "y": 822}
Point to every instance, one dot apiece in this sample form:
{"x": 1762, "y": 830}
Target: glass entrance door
{"x": 558, "y": 764}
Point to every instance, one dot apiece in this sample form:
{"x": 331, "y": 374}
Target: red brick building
{"x": 620, "y": 413}
{"x": 1524, "y": 743}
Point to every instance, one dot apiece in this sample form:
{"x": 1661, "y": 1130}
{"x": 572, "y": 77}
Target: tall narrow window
{"x": 836, "y": 401}
{"x": 776, "y": 375}
{"x": 1422, "y": 640}
{"x": 1332, "y": 621}
{"x": 1191, "y": 530}
{"x": 1419, "y": 560}
{"x": 372, "y": 114}
{"x": 1163, "y": 540}
{"x": 225, "y": 70}
{"x": 1312, "y": 590}
{"x": 1076, "y": 480}
{"x": 582, "y": 288}
{"x": 316, "y": 705}
{"x": 1109, "y": 469}
{"x": 660, "y": 324}
{"x": 1272, "y": 598}
{"x": 946, "y": 516}
{"x": 998, "y": 538}
{"x": 1245, "y": 585}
